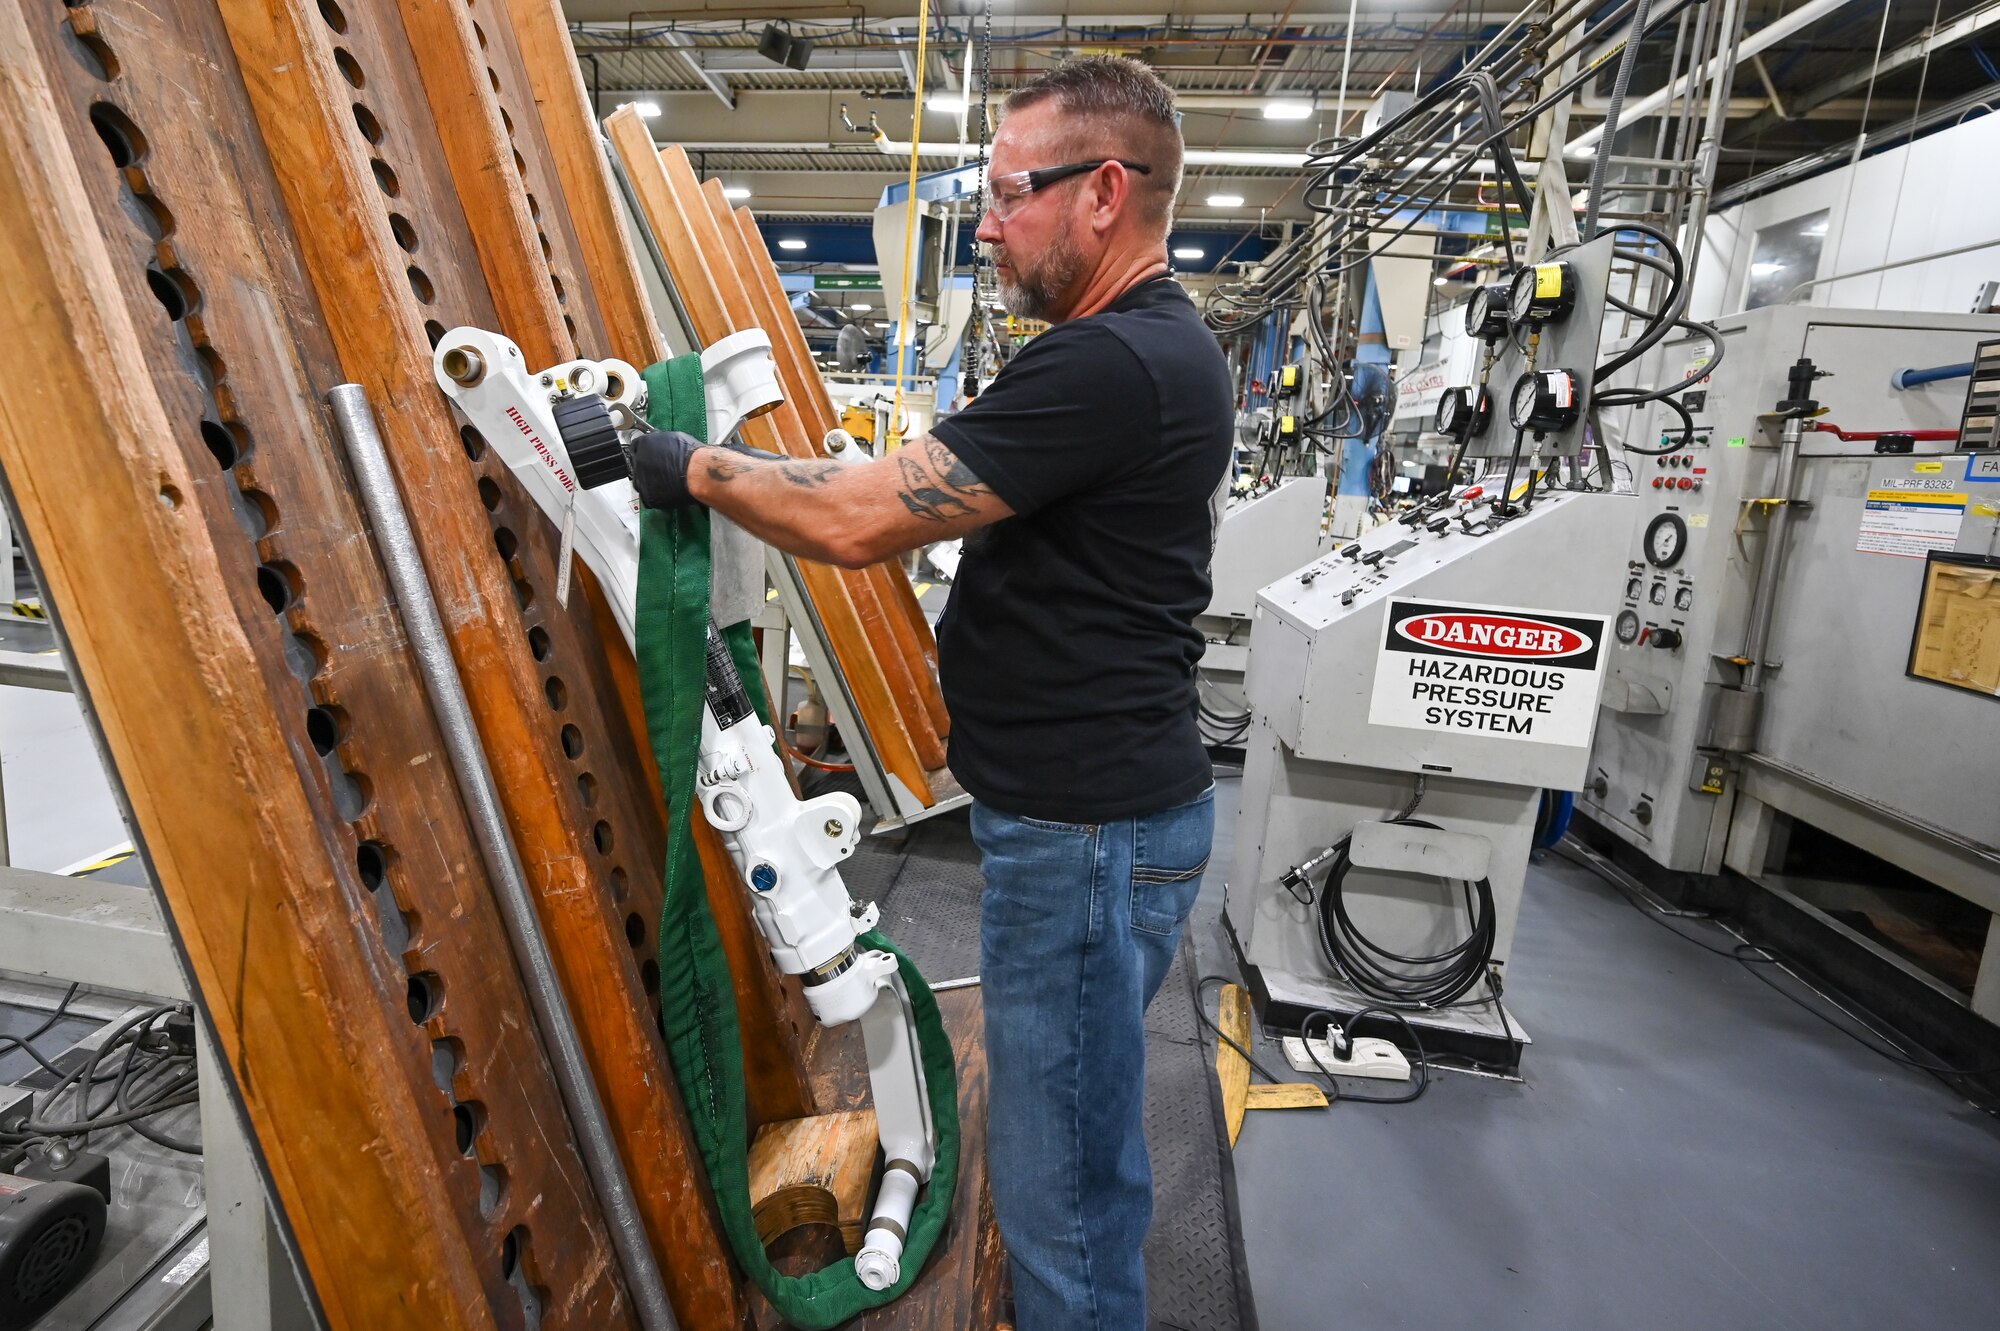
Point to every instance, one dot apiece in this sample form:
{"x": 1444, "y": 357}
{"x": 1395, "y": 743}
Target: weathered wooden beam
{"x": 235, "y": 810}
{"x": 500, "y": 159}
{"x": 584, "y": 175}
{"x": 673, "y": 216}
{"x": 803, "y": 385}
{"x": 719, "y": 248}
{"x": 391, "y": 254}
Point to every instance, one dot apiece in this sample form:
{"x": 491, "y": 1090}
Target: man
{"x": 1081, "y": 481}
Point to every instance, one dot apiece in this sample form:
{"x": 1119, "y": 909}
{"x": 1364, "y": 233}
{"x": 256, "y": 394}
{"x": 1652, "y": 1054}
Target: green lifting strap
{"x": 697, "y": 1002}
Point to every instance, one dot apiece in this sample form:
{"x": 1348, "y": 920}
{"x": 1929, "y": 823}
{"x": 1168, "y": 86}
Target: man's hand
{"x": 660, "y": 462}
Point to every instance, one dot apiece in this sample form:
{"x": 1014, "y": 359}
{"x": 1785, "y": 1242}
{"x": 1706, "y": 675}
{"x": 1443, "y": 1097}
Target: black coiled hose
{"x": 1424, "y": 981}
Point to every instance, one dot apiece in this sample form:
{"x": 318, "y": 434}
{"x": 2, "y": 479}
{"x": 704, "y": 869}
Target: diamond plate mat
{"x": 927, "y": 884}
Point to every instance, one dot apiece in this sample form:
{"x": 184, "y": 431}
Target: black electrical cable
{"x": 1421, "y": 1064}
{"x": 1422, "y": 980}
{"x": 153, "y": 1075}
{"x": 26, "y": 1043}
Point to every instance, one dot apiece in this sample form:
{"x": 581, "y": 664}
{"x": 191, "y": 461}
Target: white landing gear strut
{"x": 561, "y": 431}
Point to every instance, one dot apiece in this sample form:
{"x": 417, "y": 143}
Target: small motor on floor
{"x": 49, "y": 1232}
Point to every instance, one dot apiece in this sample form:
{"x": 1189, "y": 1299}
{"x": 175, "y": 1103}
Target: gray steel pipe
{"x": 355, "y": 422}
{"x": 1601, "y": 168}
{"x": 1764, "y": 599}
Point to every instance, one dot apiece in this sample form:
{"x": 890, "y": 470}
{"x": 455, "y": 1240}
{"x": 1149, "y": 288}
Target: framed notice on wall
{"x": 1956, "y": 640}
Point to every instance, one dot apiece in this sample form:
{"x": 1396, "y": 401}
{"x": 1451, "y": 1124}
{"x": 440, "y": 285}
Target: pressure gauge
{"x": 1633, "y": 586}
{"x": 1544, "y": 400}
{"x": 1659, "y": 593}
{"x": 1683, "y": 598}
{"x": 1463, "y": 412}
{"x": 1666, "y": 540}
{"x": 1486, "y": 312}
{"x": 1544, "y": 293}
{"x": 1627, "y": 627}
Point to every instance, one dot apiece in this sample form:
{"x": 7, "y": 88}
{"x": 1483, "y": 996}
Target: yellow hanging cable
{"x": 896, "y": 422}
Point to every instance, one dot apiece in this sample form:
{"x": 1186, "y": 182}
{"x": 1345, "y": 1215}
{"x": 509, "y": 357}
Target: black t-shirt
{"x": 1068, "y": 647}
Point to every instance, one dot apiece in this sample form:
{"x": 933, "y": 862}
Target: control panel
{"x": 1320, "y": 634}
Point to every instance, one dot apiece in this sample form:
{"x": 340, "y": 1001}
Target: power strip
{"x": 1379, "y": 1059}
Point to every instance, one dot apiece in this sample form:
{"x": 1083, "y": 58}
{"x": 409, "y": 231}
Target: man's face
{"x": 1039, "y": 251}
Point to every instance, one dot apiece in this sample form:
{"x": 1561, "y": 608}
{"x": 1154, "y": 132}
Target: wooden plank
{"x": 815, "y": 1171}
{"x": 715, "y": 233}
{"x": 240, "y": 372}
{"x": 391, "y": 256}
{"x": 590, "y": 195}
{"x": 800, "y": 375}
{"x": 227, "y": 817}
{"x": 668, "y": 213}
{"x": 498, "y": 155}
{"x": 1285, "y": 1095}
{"x": 1231, "y": 1067}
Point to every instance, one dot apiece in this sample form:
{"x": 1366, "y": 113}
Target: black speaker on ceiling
{"x": 780, "y": 47}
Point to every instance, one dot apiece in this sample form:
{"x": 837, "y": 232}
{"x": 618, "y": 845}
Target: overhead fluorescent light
{"x": 1241, "y": 157}
{"x": 945, "y": 101}
{"x": 1187, "y": 252}
{"x": 1225, "y": 200}
{"x": 1765, "y": 269}
{"x": 646, "y": 110}
{"x": 882, "y": 323}
{"x": 735, "y": 191}
{"x": 859, "y": 308}
{"x": 1439, "y": 281}
{"x": 1287, "y": 108}
{"x": 791, "y": 243}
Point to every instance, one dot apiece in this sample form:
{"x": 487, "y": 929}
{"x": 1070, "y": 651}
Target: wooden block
{"x": 964, "y": 1285}
{"x": 1286, "y": 1095}
{"x": 815, "y": 1171}
{"x": 1231, "y": 1067}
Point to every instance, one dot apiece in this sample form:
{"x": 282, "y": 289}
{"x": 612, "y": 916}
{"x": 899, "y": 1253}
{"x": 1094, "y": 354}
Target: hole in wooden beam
{"x": 385, "y": 178}
{"x": 331, "y": 12}
{"x": 365, "y": 121}
{"x": 279, "y": 583}
{"x": 405, "y": 234}
{"x": 122, "y": 138}
{"x": 538, "y": 643}
{"x": 420, "y": 285}
{"x": 349, "y": 67}
{"x": 557, "y": 691}
{"x": 425, "y": 993}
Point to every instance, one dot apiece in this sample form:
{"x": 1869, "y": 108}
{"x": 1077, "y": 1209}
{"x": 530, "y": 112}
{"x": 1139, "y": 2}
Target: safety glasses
{"x": 1006, "y": 194}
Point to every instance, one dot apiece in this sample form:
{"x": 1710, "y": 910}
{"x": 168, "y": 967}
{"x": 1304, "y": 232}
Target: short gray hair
{"x": 1121, "y": 99}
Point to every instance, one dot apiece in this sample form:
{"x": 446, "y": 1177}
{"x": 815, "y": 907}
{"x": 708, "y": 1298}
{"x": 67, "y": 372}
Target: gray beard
{"x": 1034, "y": 292}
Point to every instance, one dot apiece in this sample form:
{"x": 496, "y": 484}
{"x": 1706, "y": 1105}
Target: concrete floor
{"x": 1689, "y": 1151}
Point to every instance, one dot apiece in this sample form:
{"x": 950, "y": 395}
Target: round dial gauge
{"x": 1464, "y": 411}
{"x": 1683, "y": 598}
{"x": 1627, "y": 627}
{"x": 1666, "y": 540}
{"x": 1544, "y": 400}
{"x": 1486, "y": 311}
{"x": 1659, "y": 595}
{"x": 1542, "y": 294}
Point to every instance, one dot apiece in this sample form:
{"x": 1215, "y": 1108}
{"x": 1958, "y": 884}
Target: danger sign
{"x": 1489, "y": 670}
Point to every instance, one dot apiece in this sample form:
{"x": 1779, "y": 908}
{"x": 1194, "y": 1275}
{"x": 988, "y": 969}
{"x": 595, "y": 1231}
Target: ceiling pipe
{"x": 1752, "y": 44}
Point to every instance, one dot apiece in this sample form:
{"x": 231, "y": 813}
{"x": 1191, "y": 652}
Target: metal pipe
{"x": 1724, "y": 69}
{"x": 1910, "y": 376}
{"x": 1730, "y": 38}
{"x": 1601, "y": 168}
{"x": 1764, "y": 599}
{"x": 355, "y": 423}
{"x": 1802, "y": 287}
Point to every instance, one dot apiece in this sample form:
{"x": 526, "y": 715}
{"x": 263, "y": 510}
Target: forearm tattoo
{"x": 925, "y": 499}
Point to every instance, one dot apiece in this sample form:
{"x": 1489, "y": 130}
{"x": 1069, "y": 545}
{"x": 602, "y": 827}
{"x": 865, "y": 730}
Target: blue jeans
{"x": 1079, "y": 924}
